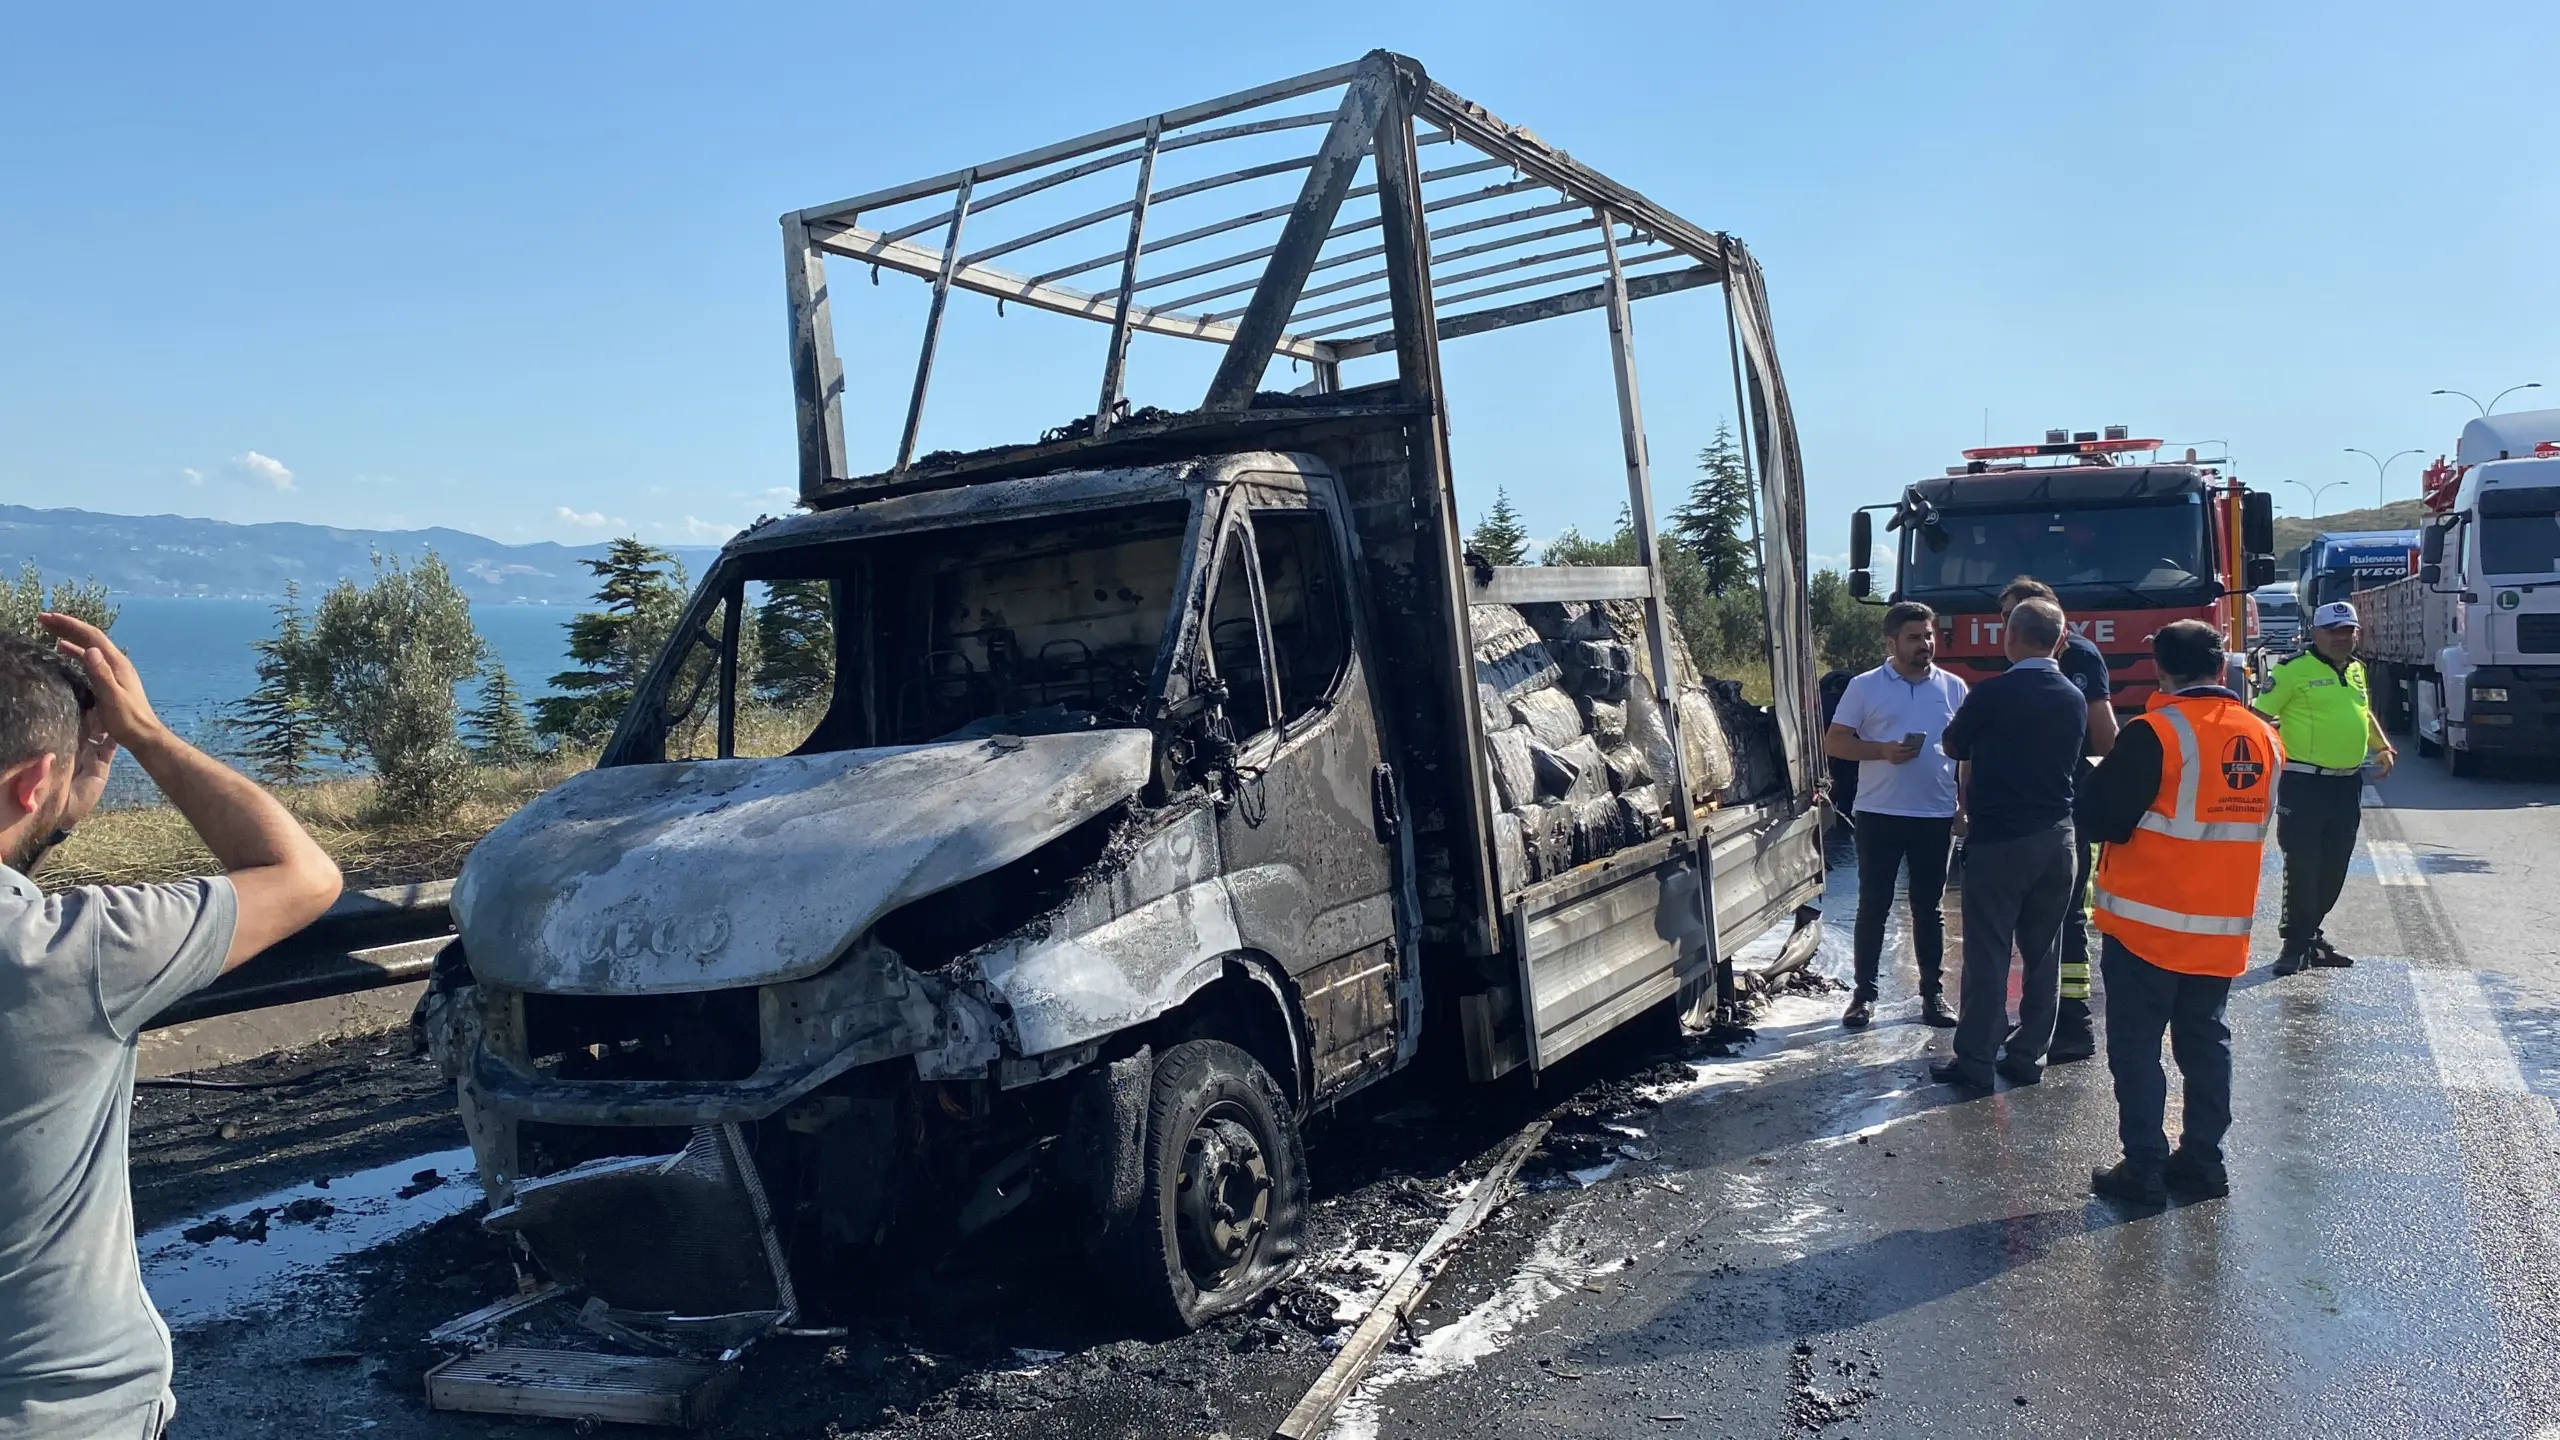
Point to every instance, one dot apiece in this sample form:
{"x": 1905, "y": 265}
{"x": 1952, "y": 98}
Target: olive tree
{"x": 385, "y": 659}
{"x": 25, "y": 598}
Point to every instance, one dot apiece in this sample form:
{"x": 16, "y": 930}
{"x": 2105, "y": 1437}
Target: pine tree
{"x": 641, "y": 593}
{"x": 496, "y": 729}
{"x": 796, "y": 628}
{"x": 1712, "y": 523}
{"x": 279, "y": 729}
{"x": 1500, "y": 537}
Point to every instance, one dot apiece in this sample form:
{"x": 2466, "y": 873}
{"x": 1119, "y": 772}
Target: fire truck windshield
{"x": 2113, "y": 556}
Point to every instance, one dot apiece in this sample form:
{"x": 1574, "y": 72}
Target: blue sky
{"x": 515, "y": 269}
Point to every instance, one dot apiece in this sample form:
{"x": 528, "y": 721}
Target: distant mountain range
{"x": 177, "y": 555}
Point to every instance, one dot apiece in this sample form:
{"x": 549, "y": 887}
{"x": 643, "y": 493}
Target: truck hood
{"x": 708, "y": 874}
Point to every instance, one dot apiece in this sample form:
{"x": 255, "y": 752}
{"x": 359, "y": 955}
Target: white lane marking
{"x": 2471, "y": 1050}
{"x": 2394, "y": 863}
{"x": 2372, "y": 798}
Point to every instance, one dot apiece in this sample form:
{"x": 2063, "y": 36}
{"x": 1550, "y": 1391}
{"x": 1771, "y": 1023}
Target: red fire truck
{"x": 2128, "y": 542}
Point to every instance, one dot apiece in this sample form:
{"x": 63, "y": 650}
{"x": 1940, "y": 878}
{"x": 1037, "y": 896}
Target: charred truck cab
{"x": 2128, "y": 545}
{"x": 1176, "y": 776}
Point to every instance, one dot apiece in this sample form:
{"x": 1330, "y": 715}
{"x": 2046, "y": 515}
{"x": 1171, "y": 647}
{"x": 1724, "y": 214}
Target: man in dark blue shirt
{"x": 2017, "y": 741}
{"x": 2074, "y": 1038}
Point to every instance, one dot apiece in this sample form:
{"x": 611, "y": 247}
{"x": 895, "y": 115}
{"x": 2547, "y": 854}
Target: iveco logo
{"x": 675, "y": 937}
{"x": 2241, "y": 765}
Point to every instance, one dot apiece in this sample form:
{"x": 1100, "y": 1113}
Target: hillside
{"x": 2293, "y": 531}
{"x": 178, "y": 555}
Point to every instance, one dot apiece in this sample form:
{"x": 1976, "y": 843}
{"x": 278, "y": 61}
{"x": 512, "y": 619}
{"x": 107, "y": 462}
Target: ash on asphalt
{"x": 1011, "y": 1328}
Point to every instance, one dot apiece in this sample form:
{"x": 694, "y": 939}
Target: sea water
{"x": 197, "y": 660}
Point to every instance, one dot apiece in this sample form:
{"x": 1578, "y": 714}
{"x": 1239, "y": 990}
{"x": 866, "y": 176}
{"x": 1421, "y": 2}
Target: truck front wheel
{"x": 1219, "y": 1219}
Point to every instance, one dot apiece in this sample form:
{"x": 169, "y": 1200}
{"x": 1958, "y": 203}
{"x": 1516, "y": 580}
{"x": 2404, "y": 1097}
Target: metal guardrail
{"x": 368, "y": 940}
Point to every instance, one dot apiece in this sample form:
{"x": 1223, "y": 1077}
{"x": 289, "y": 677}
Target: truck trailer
{"x": 1179, "y": 775}
{"x": 2465, "y": 654}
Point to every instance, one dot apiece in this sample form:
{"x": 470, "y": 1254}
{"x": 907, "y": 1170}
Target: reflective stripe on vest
{"x": 2153, "y": 915}
{"x": 2179, "y": 904}
{"x": 2183, "y": 824}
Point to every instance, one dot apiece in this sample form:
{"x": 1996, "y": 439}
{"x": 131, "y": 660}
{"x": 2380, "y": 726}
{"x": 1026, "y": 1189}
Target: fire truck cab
{"x": 2127, "y": 542}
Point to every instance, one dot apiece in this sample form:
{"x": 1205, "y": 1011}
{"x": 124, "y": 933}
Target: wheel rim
{"x": 1222, "y": 1203}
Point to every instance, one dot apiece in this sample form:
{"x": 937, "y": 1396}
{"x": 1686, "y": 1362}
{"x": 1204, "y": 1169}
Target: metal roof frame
{"x": 1282, "y": 313}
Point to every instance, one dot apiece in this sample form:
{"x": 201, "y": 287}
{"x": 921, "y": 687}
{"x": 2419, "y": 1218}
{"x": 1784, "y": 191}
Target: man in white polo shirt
{"x": 1890, "y": 721}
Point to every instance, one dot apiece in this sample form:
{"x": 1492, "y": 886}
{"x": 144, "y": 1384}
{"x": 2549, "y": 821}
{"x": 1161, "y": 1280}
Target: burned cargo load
{"x": 1174, "y": 776}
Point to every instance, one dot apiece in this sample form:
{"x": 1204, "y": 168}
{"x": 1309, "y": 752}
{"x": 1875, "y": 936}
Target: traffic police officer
{"x": 2183, "y": 803}
{"x": 2319, "y": 698}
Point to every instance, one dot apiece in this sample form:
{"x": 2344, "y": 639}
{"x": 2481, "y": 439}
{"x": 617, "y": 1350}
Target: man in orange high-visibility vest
{"x": 2184, "y": 803}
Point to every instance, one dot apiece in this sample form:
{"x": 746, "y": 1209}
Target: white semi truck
{"x": 2466, "y": 653}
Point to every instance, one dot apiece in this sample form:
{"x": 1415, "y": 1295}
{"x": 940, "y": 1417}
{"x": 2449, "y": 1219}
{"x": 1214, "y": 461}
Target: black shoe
{"x": 2328, "y": 956}
{"x": 1956, "y": 1072}
{"x": 2073, "y": 1036}
{"x": 1861, "y": 1010}
{"x": 2019, "y": 1072}
{"x": 2121, "y": 1181}
{"x": 2191, "y": 1177}
{"x": 2294, "y": 960}
{"x": 1934, "y": 1011}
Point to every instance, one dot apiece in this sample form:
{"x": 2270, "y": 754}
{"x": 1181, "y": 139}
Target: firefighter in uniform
{"x": 2183, "y": 803}
{"x": 2330, "y": 733}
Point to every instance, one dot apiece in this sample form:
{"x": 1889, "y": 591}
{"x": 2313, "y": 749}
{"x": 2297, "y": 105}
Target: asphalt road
{"x": 1803, "y": 1238}
{"x": 1852, "y": 1250}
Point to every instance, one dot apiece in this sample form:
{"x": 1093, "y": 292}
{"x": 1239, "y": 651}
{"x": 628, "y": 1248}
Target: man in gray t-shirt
{"x": 82, "y": 1352}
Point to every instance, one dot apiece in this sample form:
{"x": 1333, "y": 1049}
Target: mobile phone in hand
{"x": 1916, "y": 739}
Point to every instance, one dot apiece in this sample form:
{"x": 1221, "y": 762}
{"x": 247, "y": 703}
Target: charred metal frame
{"x": 1386, "y": 109}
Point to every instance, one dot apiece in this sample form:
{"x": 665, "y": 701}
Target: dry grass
{"x": 154, "y": 842}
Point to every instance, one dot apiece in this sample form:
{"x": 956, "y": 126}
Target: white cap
{"x": 2332, "y": 615}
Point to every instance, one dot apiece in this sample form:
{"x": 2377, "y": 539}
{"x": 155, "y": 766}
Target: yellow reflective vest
{"x": 2324, "y": 714}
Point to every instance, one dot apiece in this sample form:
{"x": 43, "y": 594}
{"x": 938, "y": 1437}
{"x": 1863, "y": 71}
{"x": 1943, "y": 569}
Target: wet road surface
{"x": 1856, "y": 1251}
{"x": 1809, "y": 1237}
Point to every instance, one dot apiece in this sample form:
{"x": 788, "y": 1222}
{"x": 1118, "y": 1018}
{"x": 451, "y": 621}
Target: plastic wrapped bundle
{"x": 1577, "y": 749}
{"x": 1515, "y": 776}
{"x": 1510, "y": 657}
{"x": 1605, "y": 721}
{"x": 1574, "y": 773}
{"x": 1640, "y": 813}
{"x": 1510, "y": 855}
{"x": 1551, "y": 715}
{"x": 1596, "y": 828}
{"x": 1547, "y": 833}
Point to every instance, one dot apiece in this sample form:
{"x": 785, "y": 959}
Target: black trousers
{"x": 1886, "y": 843}
{"x": 2316, "y": 823}
{"x": 2015, "y": 891}
{"x": 2143, "y": 1000}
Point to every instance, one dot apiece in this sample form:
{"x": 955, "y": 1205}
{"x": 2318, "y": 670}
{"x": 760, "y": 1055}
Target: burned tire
{"x": 1218, "y": 1219}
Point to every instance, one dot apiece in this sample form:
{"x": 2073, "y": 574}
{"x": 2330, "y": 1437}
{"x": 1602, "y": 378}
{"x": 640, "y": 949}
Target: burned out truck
{"x": 1179, "y": 772}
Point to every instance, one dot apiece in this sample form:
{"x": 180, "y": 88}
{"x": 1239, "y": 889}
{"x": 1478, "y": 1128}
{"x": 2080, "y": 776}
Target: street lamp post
{"x": 2494, "y": 399}
{"x": 2317, "y": 491}
{"x": 2382, "y": 466}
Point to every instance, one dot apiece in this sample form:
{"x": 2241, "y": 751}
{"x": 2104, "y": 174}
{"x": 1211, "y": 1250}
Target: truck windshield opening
{"x": 1027, "y": 628}
{"x": 2520, "y": 531}
{"x": 2121, "y": 556}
